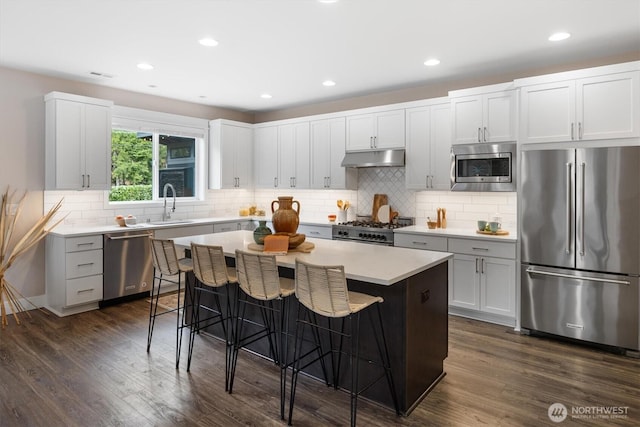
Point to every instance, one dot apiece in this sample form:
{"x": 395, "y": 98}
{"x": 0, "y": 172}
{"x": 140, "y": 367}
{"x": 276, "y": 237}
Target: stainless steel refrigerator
{"x": 580, "y": 244}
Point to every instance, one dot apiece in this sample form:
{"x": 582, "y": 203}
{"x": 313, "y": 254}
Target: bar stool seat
{"x": 166, "y": 263}
{"x": 213, "y": 278}
{"x": 261, "y": 287}
{"x": 322, "y": 291}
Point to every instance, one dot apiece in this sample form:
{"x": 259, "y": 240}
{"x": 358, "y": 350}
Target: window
{"x": 146, "y": 156}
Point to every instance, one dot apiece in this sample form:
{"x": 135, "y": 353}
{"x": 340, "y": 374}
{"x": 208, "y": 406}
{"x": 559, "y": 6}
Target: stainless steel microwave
{"x": 483, "y": 167}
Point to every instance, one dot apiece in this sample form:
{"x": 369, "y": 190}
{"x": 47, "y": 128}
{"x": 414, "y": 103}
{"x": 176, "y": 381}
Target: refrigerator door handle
{"x": 568, "y": 213}
{"x": 532, "y": 270}
{"x": 582, "y": 205}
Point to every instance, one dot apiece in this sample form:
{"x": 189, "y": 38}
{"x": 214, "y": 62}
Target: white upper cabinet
{"x": 78, "y": 142}
{"x": 265, "y": 155}
{"x": 596, "y": 106}
{"x": 381, "y": 130}
{"x": 327, "y": 151}
{"x": 484, "y": 114}
{"x": 294, "y": 157}
{"x": 230, "y": 154}
{"x": 428, "y": 147}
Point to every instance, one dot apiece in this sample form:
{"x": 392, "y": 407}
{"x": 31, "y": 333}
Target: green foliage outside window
{"x": 126, "y": 193}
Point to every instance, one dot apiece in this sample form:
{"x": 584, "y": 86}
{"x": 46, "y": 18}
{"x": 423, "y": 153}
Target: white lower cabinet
{"x": 484, "y": 280}
{"x": 73, "y": 273}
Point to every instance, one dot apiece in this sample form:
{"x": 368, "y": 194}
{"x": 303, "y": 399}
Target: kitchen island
{"x": 414, "y": 285}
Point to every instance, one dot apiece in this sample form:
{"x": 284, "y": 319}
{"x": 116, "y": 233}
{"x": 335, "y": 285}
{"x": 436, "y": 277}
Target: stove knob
{"x": 360, "y": 235}
{"x": 383, "y": 238}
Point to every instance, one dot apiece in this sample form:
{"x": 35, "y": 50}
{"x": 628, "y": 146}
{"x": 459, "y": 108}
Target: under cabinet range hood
{"x": 371, "y": 159}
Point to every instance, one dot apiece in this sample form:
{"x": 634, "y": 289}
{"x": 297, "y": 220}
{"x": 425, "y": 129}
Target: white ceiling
{"x": 289, "y": 47}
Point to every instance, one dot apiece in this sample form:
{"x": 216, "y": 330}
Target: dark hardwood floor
{"x": 92, "y": 370}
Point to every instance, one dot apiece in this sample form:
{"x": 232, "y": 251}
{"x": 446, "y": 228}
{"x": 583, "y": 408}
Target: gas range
{"x": 368, "y": 231}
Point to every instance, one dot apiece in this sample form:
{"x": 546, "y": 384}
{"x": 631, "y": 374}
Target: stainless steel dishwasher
{"x": 128, "y": 270}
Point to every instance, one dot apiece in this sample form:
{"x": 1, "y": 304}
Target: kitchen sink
{"x": 171, "y": 221}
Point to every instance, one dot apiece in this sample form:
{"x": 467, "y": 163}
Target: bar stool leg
{"x": 195, "y": 319}
{"x": 283, "y": 337}
{"x": 153, "y": 308}
{"x": 297, "y": 351}
{"x": 178, "y": 324}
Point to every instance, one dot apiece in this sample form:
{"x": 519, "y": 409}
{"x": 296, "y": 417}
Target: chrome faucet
{"x": 167, "y": 215}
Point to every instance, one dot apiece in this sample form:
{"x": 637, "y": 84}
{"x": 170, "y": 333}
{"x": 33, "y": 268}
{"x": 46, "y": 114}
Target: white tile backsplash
{"x": 463, "y": 208}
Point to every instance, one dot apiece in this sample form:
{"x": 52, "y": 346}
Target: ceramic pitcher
{"x": 285, "y": 218}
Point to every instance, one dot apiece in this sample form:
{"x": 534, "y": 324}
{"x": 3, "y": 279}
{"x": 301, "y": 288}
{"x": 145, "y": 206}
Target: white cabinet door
{"x": 390, "y": 130}
{"x": 497, "y": 286}
{"x": 467, "y": 119}
{"x": 293, "y": 148}
{"x": 320, "y": 154}
{"x": 499, "y": 116}
{"x": 382, "y": 131}
{"x": 465, "y": 287}
{"x": 78, "y": 143}
{"x": 428, "y": 147}
{"x": 440, "y": 157}
{"x": 488, "y": 117}
{"x": 608, "y": 106}
{"x": 547, "y": 112}
{"x": 244, "y": 157}
{"x": 266, "y": 157}
{"x": 328, "y": 137}
{"x": 230, "y": 155}
{"x": 360, "y": 132}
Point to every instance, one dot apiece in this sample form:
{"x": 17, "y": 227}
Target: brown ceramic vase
{"x": 285, "y": 219}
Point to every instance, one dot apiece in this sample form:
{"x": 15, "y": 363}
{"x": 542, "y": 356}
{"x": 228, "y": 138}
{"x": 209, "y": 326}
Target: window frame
{"x": 157, "y": 123}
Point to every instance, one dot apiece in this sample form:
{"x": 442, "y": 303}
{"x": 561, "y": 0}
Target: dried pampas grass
{"x": 10, "y": 251}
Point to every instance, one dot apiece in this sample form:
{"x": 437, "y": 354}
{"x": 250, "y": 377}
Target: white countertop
{"x": 383, "y": 265}
{"x": 81, "y": 230}
{"x": 467, "y": 233}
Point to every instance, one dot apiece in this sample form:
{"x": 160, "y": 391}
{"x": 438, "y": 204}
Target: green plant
{"x": 125, "y": 193}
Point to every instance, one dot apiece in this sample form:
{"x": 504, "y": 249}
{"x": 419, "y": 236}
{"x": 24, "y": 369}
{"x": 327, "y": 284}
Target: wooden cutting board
{"x": 378, "y": 200}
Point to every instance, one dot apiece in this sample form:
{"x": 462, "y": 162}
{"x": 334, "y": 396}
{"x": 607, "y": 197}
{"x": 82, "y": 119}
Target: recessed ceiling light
{"x": 328, "y": 83}
{"x": 431, "y": 62}
{"x": 556, "y": 37}
{"x": 266, "y": 96}
{"x": 208, "y": 41}
{"x": 145, "y": 66}
{"x": 153, "y": 86}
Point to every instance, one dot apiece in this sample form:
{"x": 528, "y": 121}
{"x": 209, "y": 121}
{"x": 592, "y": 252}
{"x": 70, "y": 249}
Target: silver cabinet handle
{"x": 84, "y": 264}
{"x": 88, "y": 181}
{"x": 275, "y": 181}
{"x": 481, "y": 265}
{"x": 328, "y": 182}
{"x": 531, "y": 270}
{"x": 84, "y": 290}
{"x": 370, "y": 142}
{"x": 479, "y": 137}
{"x": 419, "y": 243}
{"x": 580, "y": 130}
{"x": 426, "y": 181}
{"x": 476, "y": 265}
{"x": 582, "y": 204}
{"x": 83, "y": 181}
{"x": 568, "y": 213}
{"x": 481, "y": 249}
{"x": 375, "y": 142}
{"x": 572, "y": 131}
{"x": 85, "y": 244}
{"x": 134, "y": 236}
{"x": 484, "y": 134}
{"x": 314, "y": 232}
{"x": 430, "y": 181}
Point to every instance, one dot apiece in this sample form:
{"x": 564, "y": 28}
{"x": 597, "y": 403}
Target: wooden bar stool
{"x": 166, "y": 266}
{"x": 262, "y": 287}
{"x": 322, "y": 291}
{"x": 212, "y": 277}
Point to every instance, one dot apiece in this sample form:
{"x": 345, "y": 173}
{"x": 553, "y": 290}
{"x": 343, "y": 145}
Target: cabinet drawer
{"x": 84, "y": 290}
{"x": 83, "y": 243}
{"x": 226, "y": 226}
{"x": 316, "y": 231}
{"x": 86, "y": 263}
{"x": 482, "y": 247}
{"x": 417, "y": 241}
